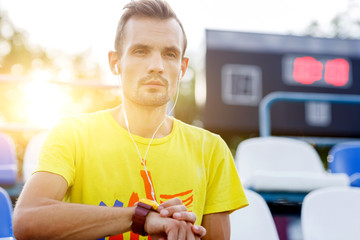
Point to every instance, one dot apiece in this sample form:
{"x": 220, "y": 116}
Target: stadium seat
{"x": 331, "y": 214}
{"x": 345, "y": 158}
{"x": 253, "y": 222}
{"x": 31, "y": 155}
{"x": 6, "y": 231}
{"x": 8, "y": 161}
{"x": 283, "y": 164}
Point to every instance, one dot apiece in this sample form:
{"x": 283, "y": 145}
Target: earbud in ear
{"x": 180, "y": 75}
{"x": 116, "y": 70}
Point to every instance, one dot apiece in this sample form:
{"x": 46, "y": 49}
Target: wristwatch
{"x": 141, "y": 211}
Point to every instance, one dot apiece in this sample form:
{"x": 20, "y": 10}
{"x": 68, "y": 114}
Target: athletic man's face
{"x": 151, "y": 60}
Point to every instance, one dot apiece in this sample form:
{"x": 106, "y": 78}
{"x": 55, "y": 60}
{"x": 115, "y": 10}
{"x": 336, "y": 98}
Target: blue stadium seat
{"x": 6, "y": 231}
{"x": 8, "y": 161}
{"x": 345, "y": 158}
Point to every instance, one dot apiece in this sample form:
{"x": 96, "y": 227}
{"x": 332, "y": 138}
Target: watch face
{"x": 153, "y": 204}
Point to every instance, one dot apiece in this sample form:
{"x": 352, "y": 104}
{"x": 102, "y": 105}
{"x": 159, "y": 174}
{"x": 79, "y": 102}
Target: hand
{"x": 175, "y": 208}
{"x": 164, "y": 228}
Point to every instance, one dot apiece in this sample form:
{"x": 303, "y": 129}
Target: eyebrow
{"x": 135, "y": 46}
{"x": 139, "y": 45}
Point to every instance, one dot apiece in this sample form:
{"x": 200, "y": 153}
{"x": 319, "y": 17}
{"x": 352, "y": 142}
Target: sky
{"x": 75, "y": 26}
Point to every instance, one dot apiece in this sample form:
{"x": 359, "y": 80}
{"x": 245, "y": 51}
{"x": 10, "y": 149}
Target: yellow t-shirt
{"x": 101, "y": 165}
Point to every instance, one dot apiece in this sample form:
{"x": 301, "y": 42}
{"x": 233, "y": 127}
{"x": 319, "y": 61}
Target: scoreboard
{"x": 242, "y": 68}
{"x": 323, "y": 72}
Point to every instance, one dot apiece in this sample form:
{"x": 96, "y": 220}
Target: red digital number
{"x": 307, "y": 70}
{"x": 337, "y": 72}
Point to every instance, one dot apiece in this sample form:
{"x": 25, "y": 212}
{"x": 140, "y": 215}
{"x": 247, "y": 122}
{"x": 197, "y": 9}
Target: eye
{"x": 139, "y": 51}
{"x": 171, "y": 55}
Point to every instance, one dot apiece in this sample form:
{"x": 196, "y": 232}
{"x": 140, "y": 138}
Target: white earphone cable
{"x": 143, "y": 160}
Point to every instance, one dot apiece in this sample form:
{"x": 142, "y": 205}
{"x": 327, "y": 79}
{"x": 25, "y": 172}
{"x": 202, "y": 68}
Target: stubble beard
{"x": 151, "y": 97}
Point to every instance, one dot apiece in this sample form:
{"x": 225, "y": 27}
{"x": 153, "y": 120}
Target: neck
{"x": 143, "y": 120}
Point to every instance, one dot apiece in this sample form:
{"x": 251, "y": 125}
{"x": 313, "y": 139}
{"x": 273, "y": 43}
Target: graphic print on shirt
{"x": 186, "y": 197}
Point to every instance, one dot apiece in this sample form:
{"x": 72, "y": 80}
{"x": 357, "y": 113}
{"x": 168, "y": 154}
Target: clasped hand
{"x": 173, "y": 222}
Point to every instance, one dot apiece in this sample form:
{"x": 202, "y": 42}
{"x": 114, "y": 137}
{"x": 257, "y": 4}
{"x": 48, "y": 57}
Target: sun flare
{"x": 46, "y": 103}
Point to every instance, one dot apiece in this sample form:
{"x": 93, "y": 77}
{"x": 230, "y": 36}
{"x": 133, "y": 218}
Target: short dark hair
{"x": 158, "y": 9}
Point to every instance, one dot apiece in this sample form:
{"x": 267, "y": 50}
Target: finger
{"x": 198, "y": 230}
{"x": 182, "y": 230}
{"x": 169, "y": 211}
{"x": 173, "y": 235}
{"x": 189, "y": 233}
{"x": 171, "y": 202}
{"x": 185, "y": 216}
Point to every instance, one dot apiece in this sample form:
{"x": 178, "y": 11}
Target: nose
{"x": 156, "y": 64}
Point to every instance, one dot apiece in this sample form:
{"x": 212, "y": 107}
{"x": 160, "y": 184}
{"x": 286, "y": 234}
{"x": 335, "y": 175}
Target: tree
{"x": 344, "y": 25}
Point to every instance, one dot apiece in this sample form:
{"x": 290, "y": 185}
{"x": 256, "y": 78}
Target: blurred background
{"x": 53, "y": 62}
{"x": 53, "y": 54}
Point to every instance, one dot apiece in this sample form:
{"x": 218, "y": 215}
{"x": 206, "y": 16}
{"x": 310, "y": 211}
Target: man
{"x": 94, "y": 169}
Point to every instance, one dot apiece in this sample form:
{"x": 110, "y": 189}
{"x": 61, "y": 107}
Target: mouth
{"x": 154, "y": 83}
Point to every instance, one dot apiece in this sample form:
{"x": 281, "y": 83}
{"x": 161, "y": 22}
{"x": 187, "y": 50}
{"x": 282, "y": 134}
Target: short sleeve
{"x": 224, "y": 190}
{"x": 58, "y": 152}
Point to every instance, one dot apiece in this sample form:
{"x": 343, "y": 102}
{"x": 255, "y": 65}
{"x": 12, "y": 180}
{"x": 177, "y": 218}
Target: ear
{"x": 184, "y": 65}
{"x": 113, "y": 60}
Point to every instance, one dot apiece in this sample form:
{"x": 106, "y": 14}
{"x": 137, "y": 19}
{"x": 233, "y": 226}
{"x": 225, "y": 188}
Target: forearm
{"x": 40, "y": 214}
{"x": 57, "y": 220}
{"x": 217, "y": 226}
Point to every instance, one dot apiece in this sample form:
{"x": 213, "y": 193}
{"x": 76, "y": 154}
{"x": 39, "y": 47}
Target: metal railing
{"x": 271, "y": 98}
